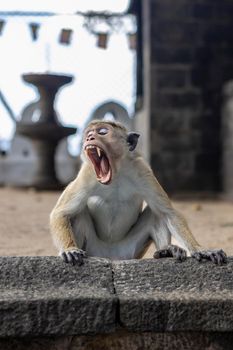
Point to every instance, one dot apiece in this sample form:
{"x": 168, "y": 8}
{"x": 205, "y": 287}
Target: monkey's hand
{"x": 73, "y": 256}
{"x": 217, "y": 256}
{"x": 171, "y": 251}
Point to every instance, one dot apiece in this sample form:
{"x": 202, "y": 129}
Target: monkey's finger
{"x": 78, "y": 257}
{"x": 213, "y": 257}
{"x": 180, "y": 258}
{"x": 156, "y": 255}
{"x": 70, "y": 258}
{"x": 83, "y": 253}
{"x": 222, "y": 252}
{"x": 220, "y": 259}
{"x": 163, "y": 253}
{"x": 217, "y": 259}
{"x": 197, "y": 256}
{"x": 177, "y": 252}
{"x": 182, "y": 255}
{"x": 223, "y": 256}
{"x": 64, "y": 257}
{"x": 166, "y": 253}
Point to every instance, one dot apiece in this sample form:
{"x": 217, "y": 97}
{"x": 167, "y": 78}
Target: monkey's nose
{"x": 90, "y": 136}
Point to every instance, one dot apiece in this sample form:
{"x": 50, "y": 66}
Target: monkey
{"x": 116, "y": 207}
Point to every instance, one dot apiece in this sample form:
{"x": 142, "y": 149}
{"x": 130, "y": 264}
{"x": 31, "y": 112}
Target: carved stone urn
{"x": 40, "y": 124}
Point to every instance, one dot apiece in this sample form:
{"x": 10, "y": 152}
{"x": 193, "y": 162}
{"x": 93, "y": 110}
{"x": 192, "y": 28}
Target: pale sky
{"x": 64, "y": 6}
{"x": 99, "y": 74}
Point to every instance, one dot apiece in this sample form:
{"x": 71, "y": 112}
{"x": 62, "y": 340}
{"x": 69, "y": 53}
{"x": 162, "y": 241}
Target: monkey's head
{"x": 105, "y": 144}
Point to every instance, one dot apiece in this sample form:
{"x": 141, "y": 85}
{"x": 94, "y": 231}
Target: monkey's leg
{"x": 84, "y": 231}
{"x": 137, "y": 239}
{"x": 148, "y": 228}
{"x": 128, "y": 248}
{"x": 179, "y": 228}
{"x": 162, "y": 238}
{"x": 141, "y": 232}
{"x": 86, "y": 237}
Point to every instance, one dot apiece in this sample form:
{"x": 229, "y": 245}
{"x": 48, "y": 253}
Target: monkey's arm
{"x": 160, "y": 204}
{"x": 71, "y": 202}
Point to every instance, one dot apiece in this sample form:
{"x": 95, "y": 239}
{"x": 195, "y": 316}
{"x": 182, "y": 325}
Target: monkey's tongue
{"x": 105, "y": 172}
{"x": 104, "y": 165}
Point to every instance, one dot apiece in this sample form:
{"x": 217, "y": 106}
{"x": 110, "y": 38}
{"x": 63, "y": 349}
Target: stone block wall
{"x": 191, "y": 57}
{"x": 227, "y": 134}
{"x": 46, "y": 304}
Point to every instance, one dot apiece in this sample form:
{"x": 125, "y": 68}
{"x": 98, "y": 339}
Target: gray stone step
{"x": 43, "y": 296}
{"x": 165, "y": 295}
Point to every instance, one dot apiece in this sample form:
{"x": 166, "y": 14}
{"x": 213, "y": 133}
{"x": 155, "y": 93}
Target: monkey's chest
{"x": 113, "y": 218}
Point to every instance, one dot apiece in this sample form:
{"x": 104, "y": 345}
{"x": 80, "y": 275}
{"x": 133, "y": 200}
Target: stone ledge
{"x": 42, "y": 296}
{"x": 45, "y": 296}
{"x": 165, "y": 295}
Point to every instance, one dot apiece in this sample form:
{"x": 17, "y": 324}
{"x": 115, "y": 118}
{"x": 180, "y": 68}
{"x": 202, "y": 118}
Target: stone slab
{"x": 165, "y": 295}
{"x": 45, "y": 296}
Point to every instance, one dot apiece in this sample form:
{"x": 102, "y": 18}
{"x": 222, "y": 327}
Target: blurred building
{"x": 187, "y": 60}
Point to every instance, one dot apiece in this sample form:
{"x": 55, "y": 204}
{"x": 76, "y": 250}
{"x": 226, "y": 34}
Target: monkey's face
{"x": 104, "y": 145}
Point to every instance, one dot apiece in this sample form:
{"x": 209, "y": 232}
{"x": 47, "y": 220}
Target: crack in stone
{"x": 117, "y": 315}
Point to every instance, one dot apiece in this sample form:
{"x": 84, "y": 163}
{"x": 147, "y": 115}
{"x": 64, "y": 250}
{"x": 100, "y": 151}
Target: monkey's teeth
{"x": 98, "y": 151}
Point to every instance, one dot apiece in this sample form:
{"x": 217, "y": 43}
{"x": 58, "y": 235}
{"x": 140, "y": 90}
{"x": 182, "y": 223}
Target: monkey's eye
{"x": 103, "y": 131}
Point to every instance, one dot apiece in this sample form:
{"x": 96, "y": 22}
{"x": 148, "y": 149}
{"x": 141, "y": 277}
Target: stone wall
{"x": 227, "y": 135}
{"x": 114, "y": 305}
{"x": 191, "y": 58}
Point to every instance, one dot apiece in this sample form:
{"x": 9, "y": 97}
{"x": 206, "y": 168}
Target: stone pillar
{"x": 40, "y": 124}
{"x": 45, "y": 167}
{"x": 141, "y": 121}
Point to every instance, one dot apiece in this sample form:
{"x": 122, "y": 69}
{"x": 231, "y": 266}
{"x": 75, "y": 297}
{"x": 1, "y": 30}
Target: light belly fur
{"x": 108, "y": 216}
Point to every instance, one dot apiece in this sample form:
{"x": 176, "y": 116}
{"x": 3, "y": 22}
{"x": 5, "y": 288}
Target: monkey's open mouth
{"x": 100, "y": 162}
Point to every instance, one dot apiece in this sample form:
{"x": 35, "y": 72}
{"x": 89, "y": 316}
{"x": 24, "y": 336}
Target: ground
{"x": 24, "y": 216}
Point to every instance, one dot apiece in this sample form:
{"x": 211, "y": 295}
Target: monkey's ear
{"x": 132, "y": 140}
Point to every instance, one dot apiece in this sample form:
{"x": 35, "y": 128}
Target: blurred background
{"x": 51, "y": 37}
{"x": 161, "y": 67}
